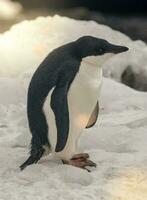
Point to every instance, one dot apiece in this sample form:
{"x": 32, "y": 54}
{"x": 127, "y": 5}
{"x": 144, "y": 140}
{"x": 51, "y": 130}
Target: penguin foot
{"x": 81, "y": 161}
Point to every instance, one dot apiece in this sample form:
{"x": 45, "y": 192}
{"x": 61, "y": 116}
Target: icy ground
{"x": 117, "y": 143}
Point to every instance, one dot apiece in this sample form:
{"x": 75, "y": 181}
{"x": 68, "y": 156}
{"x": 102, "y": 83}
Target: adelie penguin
{"x": 63, "y": 99}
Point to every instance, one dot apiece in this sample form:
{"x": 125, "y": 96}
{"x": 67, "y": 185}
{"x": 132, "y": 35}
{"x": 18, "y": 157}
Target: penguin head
{"x": 92, "y": 46}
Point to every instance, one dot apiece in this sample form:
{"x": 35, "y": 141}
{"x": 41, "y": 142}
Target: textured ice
{"x": 117, "y": 143}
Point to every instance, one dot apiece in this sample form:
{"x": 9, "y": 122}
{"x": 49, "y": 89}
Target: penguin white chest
{"x": 82, "y": 98}
{"x": 83, "y": 94}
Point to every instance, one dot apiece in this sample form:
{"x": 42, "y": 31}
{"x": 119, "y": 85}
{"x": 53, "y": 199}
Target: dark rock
{"x": 134, "y": 80}
{"x": 134, "y": 27}
{"x": 113, "y": 6}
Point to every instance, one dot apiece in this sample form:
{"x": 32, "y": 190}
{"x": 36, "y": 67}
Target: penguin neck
{"x": 98, "y": 61}
{"x": 93, "y": 61}
{"x": 89, "y": 63}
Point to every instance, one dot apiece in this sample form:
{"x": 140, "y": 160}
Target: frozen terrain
{"x": 117, "y": 143}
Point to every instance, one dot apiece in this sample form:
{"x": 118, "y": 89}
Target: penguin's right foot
{"x": 81, "y": 161}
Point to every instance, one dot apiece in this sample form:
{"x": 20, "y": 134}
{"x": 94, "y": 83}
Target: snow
{"x": 117, "y": 143}
{"x": 45, "y": 34}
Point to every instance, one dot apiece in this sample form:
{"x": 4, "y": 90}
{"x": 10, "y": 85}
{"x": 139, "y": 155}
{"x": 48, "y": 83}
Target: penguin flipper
{"x": 94, "y": 116}
{"x": 59, "y": 105}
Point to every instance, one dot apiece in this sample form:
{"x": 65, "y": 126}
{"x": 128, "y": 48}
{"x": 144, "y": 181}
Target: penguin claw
{"x": 91, "y": 163}
{"x": 80, "y": 161}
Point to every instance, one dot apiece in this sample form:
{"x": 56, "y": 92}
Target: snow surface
{"x": 117, "y": 143}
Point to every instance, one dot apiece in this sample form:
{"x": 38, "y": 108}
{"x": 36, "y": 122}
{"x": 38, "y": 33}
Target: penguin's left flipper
{"x": 94, "y": 116}
{"x": 59, "y": 105}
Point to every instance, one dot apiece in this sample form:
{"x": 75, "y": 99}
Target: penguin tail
{"x": 40, "y": 144}
{"x": 33, "y": 158}
{"x": 36, "y": 152}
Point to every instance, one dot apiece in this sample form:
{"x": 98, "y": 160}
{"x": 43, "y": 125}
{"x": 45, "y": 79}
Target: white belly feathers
{"x": 82, "y": 98}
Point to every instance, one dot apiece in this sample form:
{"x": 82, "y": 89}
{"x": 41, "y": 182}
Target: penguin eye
{"x": 101, "y": 51}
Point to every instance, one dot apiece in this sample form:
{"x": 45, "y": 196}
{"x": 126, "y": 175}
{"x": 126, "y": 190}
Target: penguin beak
{"x": 117, "y": 49}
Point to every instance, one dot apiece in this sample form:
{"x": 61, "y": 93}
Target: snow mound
{"x": 35, "y": 39}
